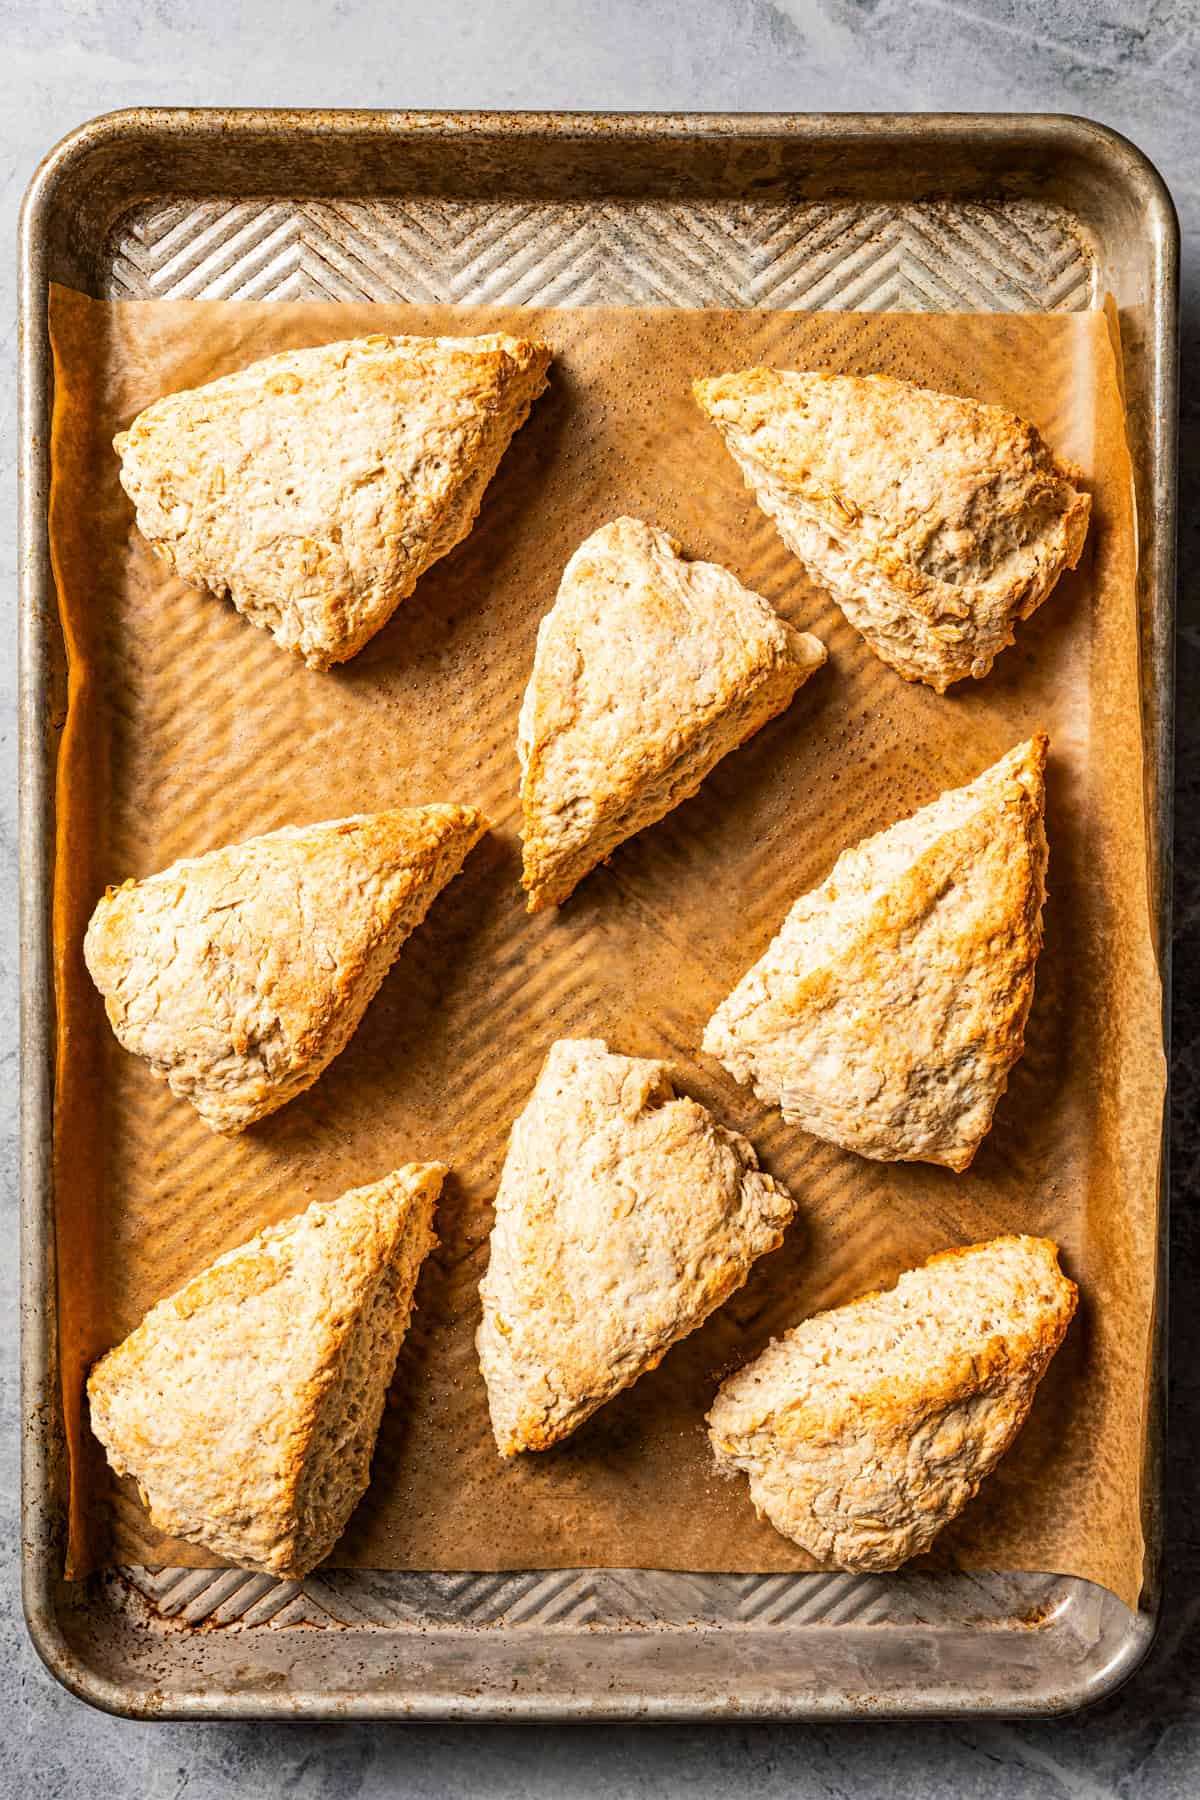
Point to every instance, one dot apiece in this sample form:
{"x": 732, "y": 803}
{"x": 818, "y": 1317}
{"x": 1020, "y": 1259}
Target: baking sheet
{"x": 188, "y": 728}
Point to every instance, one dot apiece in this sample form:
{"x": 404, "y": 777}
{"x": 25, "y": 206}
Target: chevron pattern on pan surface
{"x": 570, "y": 1599}
{"x": 1018, "y": 258}
{"x": 722, "y": 254}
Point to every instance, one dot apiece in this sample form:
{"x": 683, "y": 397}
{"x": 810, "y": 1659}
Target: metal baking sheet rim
{"x": 1079, "y": 142}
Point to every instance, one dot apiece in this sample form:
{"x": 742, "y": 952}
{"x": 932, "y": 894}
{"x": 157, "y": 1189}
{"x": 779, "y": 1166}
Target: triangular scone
{"x": 867, "y": 1429}
{"x": 648, "y": 670}
{"x": 247, "y": 1405}
{"x": 934, "y": 522}
{"x": 240, "y": 975}
{"x": 314, "y": 488}
{"x": 887, "y": 1012}
{"x": 624, "y": 1217}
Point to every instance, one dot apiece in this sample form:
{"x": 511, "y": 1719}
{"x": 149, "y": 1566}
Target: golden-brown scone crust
{"x": 935, "y": 522}
{"x": 648, "y": 670}
{"x": 246, "y": 1406}
{"x": 867, "y": 1429}
{"x": 314, "y": 488}
{"x": 888, "y": 1010}
{"x": 241, "y": 974}
{"x": 624, "y": 1217}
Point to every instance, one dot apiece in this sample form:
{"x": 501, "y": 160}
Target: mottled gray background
{"x": 1135, "y": 65}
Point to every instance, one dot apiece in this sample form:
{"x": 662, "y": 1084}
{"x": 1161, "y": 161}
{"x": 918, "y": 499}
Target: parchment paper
{"x": 187, "y": 728}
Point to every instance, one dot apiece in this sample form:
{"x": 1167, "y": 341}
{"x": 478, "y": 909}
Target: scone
{"x": 247, "y": 1405}
{"x": 888, "y": 1010}
{"x": 867, "y": 1429}
{"x": 935, "y": 522}
{"x": 314, "y": 488}
{"x": 241, "y": 974}
{"x": 624, "y": 1217}
{"x": 648, "y": 670}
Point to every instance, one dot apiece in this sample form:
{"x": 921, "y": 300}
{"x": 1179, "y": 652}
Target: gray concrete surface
{"x": 1135, "y": 65}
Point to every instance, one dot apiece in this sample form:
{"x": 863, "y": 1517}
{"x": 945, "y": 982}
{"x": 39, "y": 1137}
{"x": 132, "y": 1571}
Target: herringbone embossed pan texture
{"x": 1029, "y": 257}
{"x": 166, "y": 206}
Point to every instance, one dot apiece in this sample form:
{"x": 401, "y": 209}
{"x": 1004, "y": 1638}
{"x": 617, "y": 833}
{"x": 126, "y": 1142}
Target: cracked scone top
{"x": 935, "y": 522}
{"x": 625, "y": 1216}
{"x": 314, "y": 488}
{"x": 648, "y": 670}
{"x": 246, "y": 1406}
{"x": 865, "y": 1430}
{"x": 241, "y": 974}
{"x": 891, "y": 1005}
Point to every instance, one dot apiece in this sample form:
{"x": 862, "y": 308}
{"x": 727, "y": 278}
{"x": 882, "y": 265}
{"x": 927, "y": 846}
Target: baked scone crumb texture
{"x": 315, "y": 487}
{"x": 866, "y": 1429}
{"x": 935, "y": 522}
{"x": 648, "y": 670}
{"x": 246, "y": 1406}
{"x": 888, "y": 1010}
{"x": 625, "y": 1215}
{"x": 239, "y": 975}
